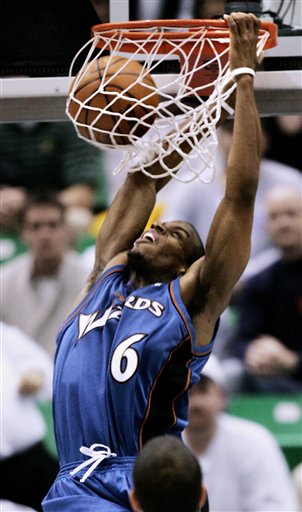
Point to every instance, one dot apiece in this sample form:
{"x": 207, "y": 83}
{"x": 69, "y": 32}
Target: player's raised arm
{"x": 133, "y": 204}
{"x": 126, "y": 217}
{"x": 228, "y": 245}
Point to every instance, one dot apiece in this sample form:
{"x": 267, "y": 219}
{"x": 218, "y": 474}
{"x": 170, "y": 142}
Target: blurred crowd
{"x": 55, "y": 189}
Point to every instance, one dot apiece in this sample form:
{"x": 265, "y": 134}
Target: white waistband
{"x": 97, "y": 453}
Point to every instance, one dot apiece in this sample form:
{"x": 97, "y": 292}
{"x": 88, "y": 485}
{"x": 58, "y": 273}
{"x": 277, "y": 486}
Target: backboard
{"x": 39, "y": 94}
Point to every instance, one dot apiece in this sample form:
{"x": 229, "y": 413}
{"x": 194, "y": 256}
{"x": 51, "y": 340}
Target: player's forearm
{"x": 244, "y": 158}
{"x": 186, "y": 147}
{"x": 127, "y": 216}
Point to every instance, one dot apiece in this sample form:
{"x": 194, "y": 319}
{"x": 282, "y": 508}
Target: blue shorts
{"x": 105, "y": 490}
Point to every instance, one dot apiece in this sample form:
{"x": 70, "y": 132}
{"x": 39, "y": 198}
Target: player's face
{"x": 166, "y": 246}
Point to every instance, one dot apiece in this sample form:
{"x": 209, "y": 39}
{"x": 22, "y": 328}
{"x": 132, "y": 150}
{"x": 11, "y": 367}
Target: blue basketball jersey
{"x": 125, "y": 360}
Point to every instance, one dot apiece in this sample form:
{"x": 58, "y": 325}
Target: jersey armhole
{"x": 198, "y": 350}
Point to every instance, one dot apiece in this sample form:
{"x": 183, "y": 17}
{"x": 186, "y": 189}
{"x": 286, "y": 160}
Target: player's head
{"x": 166, "y": 250}
{"x": 166, "y": 477}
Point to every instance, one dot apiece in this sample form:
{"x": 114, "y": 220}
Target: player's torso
{"x": 122, "y": 368}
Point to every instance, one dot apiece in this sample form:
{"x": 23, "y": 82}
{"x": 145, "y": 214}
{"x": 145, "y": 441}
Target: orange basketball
{"x": 108, "y": 87}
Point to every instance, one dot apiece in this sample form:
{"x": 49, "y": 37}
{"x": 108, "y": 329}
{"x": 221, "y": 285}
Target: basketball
{"x": 108, "y": 100}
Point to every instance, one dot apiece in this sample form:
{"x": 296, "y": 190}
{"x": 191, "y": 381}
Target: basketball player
{"x": 145, "y": 325}
{"x": 167, "y": 477}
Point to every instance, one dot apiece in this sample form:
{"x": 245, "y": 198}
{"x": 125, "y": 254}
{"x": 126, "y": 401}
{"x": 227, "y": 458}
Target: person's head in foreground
{"x": 166, "y": 478}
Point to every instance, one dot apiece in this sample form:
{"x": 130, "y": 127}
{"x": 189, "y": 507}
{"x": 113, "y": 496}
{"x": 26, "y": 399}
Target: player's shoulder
{"x": 100, "y": 271}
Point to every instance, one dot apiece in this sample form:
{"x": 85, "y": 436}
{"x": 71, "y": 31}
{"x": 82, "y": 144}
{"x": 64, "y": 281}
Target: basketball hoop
{"x": 191, "y": 98}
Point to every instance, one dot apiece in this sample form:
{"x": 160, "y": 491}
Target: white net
{"x": 190, "y": 100}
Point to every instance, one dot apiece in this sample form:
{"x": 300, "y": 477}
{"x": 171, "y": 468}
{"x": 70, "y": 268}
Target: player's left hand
{"x": 244, "y": 29}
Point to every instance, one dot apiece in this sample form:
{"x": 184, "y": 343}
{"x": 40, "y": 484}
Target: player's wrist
{"x": 242, "y": 71}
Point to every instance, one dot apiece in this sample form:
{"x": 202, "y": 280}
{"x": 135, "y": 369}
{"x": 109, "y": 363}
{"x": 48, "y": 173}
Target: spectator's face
{"x": 284, "y": 219}
{"x": 44, "y": 231}
{"x": 206, "y": 400}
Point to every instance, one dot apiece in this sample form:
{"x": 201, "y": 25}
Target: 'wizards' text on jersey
{"x": 125, "y": 360}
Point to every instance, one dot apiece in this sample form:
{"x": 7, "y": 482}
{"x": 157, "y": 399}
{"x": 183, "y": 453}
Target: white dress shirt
{"x": 245, "y": 470}
{"x": 22, "y": 423}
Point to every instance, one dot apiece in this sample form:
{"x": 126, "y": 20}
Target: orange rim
{"x": 136, "y": 30}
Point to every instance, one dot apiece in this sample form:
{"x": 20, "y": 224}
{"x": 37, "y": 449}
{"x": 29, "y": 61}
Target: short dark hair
{"x": 42, "y": 198}
{"x": 197, "y": 250}
{"x": 167, "y": 476}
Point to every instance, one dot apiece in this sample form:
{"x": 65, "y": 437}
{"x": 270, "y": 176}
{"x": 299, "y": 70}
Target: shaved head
{"x": 283, "y": 193}
{"x": 284, "y": 220}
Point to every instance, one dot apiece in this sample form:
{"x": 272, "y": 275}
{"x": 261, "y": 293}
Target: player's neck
{"x": 142, "y": 273}
{"x": 140, "y": 281}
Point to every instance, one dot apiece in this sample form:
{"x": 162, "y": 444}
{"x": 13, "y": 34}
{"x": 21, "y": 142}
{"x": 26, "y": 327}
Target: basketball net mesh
{"x": 185, "y": 111}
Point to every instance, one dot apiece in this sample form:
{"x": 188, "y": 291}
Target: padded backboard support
{"x": 278, "y": 83}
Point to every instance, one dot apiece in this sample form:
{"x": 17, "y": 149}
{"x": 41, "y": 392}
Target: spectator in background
{"x": 27, "y": 469}
{"x": 243, "y": 466}
{"x": 51, "y": 156}
{"x": 269, "y": 304}
{"x": 166, "y": 477}
{"x": 40, "y": 286}
{"x": 11, "y": 202}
